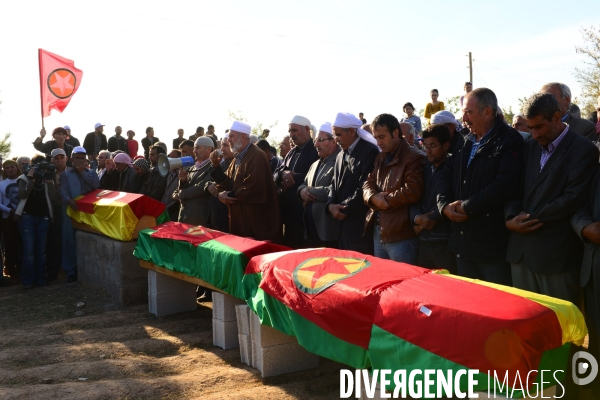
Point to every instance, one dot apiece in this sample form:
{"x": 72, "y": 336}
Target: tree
{"x": 589, "y": 77}
{"x": 452, "y": 104}
{"x": 508, "y": 115}
{"x": 258, "y": 126}
{"x": 5, "y": 144}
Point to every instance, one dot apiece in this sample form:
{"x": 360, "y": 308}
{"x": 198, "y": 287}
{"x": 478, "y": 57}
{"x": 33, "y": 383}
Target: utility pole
{"x": 470, "y": 68}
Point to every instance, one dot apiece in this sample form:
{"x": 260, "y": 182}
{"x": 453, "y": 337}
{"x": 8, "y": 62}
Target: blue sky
{"x": 182, "y": 64}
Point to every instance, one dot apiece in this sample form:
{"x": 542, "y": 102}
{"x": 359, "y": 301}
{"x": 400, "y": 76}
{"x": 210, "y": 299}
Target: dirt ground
{"x": 117, "y": 352}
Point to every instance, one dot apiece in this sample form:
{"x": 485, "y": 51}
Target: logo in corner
{"x": 317, "y": 274}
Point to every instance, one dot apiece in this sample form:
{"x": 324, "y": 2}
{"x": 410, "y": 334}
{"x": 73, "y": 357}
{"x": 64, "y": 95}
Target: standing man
{"x": 192, "y": 186}
{"x": 199, "y": 133}
{"x": 322, "y": 230}
{"x": 148, "y": 141}
{"x": 102, "y": 157}
{"x": 352, "y": 167}
{"x": 73, "y": 183}
{"x": 249, "y": 190}
{"x": 219, "y": 212}
{"x": 117, "y": 142}
{"x": 563, "y": 96}
{"x": 95, "y": 141}
{"x": 54, "y": 239}
{"x": 179, "y": 139}
{"x": 432, "y": 227}
{"x": 559, "y": 165}
{"x": 361, "y": 116}
{"x": 10, "y": 230}
{"x": 156, "y": 184}
{"x": 290, "y": 175}
{"x": 210, "y": 131}
{"x": 71, "y": 140}
{"x": 284, "y": 147}
{"x": 481, "y": 175}
{"x": 172, "y": 183}
{"x": 468, "y": 87}
{"x": 394, "y": 185}
{"x": 59, "y": 135}
{"x": 586, "y": 223}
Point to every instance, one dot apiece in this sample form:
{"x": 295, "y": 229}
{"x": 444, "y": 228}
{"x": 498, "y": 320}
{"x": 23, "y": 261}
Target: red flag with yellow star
{"x": 59, "y": 80}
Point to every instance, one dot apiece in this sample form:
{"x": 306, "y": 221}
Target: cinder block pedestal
{"x": 270, "y": 351}
{"x": 225, "y": 325}
{"x": 168, "y": 295}
{"x": 110, "y": 264}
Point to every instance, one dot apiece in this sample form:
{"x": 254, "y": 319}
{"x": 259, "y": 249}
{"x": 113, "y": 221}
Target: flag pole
{"x": 41, "y": 99}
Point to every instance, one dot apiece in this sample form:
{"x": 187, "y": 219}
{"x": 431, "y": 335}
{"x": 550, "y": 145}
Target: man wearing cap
{"x": 156, "y": 183}
{"x": 73, "y": 183}
{"x": 447, "y": 118}
{"x": 352, "y": 167}
{"x": 54, "y": 238}
{"x": 59, "y": 135}
{"x": 290, "y": 175}
{"x": 119, "y": 175}
{"x": 71, "y": 140}
{"x": 192, "y": 191}
{"x": 117, "y": 142}
{"x": 95, "y": 141}
{"x": 321, "y": 229}
{"x": 249, "y": 190}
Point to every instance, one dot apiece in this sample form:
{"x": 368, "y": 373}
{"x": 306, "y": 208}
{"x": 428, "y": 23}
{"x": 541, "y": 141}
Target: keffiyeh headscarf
{"x": 142, "y": 163}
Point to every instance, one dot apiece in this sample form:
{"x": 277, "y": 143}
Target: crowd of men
{"x": 517, "y": 206}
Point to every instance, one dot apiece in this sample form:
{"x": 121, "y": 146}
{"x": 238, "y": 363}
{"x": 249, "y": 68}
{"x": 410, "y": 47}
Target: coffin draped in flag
{"x": 118, "y": 214}
{"x": 59, "y": 80}
{"x": 373, "y": 313}
{"x": 215, "y": 257}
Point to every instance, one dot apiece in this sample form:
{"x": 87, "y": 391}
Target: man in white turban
{"x": 290, "y": 175}
{"x": 447, "y": 118}
{"x": 249, "y": 191}
{"x": 352, "y": 167}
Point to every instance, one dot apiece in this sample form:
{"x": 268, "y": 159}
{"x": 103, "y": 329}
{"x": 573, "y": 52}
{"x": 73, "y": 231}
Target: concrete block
{"x": 283, "y": 359}
{"x": 224, "y": 306}
{"x": 245, "y": 349}
{"x": 242, "y": 313}
{"x": 110, "y": 264}
{"x": 160, "y": 283}
{"x": 161, "y": 304}
{"x": 266, "y": 336}
{"x": 225, "y": 334}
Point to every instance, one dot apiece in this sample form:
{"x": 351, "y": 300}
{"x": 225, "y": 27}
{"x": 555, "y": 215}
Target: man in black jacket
{"x": 148, "y": 141}
{"x": 117, "y": 142}
{"x": 482, "y": 174}
{"x": 290, "y": 175}
{"x": 432, "y": 227}
{"x": 95, "y": 141}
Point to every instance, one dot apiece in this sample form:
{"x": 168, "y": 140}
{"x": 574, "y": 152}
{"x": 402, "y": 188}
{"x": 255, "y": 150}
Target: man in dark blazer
{"x": 192, "y": 191}
{"x": 95, "y": 141}
{"x": 544, "y": 252}
{"x": 352, "y": 167}
{"x": 321, "y": 229}
{"x": 481, "y": 175}
{"x": 290, "y": 175}
{"x": 586, "y": 223}
{"x": 562, "y": 93}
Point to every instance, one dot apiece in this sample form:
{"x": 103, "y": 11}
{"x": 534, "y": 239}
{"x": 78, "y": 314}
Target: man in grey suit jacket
{"x": 586, "y": 223}
{"x": 192, "y": 191}
{"x": 563, "y": 96}
{"x": 321, "y": 229}
{"x": 544, "y": 251}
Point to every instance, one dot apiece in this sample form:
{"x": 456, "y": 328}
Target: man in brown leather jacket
{"x": 395, "y": 183}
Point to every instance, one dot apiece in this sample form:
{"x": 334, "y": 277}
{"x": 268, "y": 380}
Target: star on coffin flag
{"x": 59, "y": 80}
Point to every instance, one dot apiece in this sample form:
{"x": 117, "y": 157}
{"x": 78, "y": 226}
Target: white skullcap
{"x": 445, "y": 117}
{"x": 326, "y": 127}
{"x": 347, "y": 120}
{"x": 241, "y": 127}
